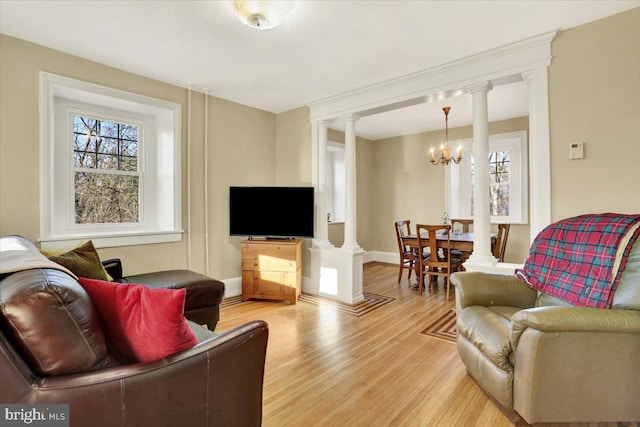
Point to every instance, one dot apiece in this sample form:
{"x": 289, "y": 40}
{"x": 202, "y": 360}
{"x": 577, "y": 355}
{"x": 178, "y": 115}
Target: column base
{"x": 479, "y": 262}
{"x": 505, "y": 268}
{"x": 336, "y": 273}
{"x": 321, "y": 244}
{"x": 352, "y": 247}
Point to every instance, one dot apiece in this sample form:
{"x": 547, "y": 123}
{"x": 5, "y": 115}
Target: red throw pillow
{"x": 141, "y": 324}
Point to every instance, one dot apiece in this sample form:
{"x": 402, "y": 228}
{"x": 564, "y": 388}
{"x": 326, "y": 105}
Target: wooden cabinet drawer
{"x": 262, "y": 262}
{"x": 271, "y": 256}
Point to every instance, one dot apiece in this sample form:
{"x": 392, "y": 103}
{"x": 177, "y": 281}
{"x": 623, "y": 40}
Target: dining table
{"x": 461, "y": 241}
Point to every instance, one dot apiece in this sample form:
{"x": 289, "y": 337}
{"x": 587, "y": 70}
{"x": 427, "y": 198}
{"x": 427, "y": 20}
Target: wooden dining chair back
{"x": 435, "y": 263}
{"x": 501, "y": 242}
{"x": 464, "y": 224}
{"x": 407, "y": 254}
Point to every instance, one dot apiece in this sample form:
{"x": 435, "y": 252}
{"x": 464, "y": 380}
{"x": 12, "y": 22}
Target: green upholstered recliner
{"x": 548, "y": 361}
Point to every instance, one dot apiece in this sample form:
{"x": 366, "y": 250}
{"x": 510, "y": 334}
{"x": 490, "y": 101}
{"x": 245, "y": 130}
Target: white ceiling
{"x": 324, "y": 48}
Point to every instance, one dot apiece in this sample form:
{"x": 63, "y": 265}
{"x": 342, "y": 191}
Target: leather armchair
{"x": 217, "y": 382}
{"x": 547, "y": 363}
{"x": 53, "y": 350}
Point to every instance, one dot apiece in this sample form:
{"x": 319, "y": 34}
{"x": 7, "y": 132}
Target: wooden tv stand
{"x": 271, "y": 269}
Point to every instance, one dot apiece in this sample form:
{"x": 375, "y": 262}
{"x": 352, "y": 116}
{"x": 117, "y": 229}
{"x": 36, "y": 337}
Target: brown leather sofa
{"x": 58, "y": 354}
{"x": 204, "y": 294}
{"x": 545, "y": 360}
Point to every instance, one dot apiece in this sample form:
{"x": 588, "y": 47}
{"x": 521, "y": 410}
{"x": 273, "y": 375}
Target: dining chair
{"x": 436, "y": 263}
{"x": 465, "y": 226}
{"x": 408, "y": 255}
{"x": 501, "y": 241}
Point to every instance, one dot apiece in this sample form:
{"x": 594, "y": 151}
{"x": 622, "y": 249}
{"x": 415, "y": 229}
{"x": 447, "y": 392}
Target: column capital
{"x": 322, "y": 123}
{"x": 528, "y": 75}
{"x": 478, "y": 87}
{"x": 350, "y": 118}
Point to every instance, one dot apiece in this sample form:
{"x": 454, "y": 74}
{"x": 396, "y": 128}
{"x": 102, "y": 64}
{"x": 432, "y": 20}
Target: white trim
{"x": 539, "y": 150}
{"x": 498, "y": 65}
{"x": 232, "y": 287}
{"x": 379, "y": 256}
{"x": 110, "y": 240}
{"x": 163, "y": 118}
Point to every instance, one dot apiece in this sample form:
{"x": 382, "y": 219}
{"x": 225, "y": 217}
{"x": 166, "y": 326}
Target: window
{"x": 335, "y": 182}
{"x": 110, "y": 166}
{"x": 106, "y": 176}
{"x": 508, "y": 179}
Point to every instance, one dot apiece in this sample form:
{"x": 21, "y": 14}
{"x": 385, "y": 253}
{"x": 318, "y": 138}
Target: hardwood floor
{"x": 328, "y": 368}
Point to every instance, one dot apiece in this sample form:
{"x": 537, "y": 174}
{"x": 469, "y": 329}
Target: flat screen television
{"x": 272, "y": 212}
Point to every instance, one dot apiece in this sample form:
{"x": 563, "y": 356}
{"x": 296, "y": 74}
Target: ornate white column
{"x": 322, "y": 229}
{"x": 539, "y": 151}
{"x": 350, "y": 223}
{"x": 482, "y": 254}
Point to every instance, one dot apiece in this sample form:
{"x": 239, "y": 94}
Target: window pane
{"x": 84, "y": 159}
{"x": 108, "y": 146}
{"x": 499, "y": 194}
{"x": 499, "y": 180}
{"x": 109, "y": 129}
{"x": 129, "y": 132}
{"x": 107, "y": 161}
{"x": 106, "y": 198}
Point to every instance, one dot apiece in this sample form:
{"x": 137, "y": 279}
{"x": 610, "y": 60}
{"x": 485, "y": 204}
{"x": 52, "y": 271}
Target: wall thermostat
{"x": 576, "y": 151}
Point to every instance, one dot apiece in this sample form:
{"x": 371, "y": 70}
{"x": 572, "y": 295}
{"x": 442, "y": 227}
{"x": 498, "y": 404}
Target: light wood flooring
{"x": 328, "y": 368}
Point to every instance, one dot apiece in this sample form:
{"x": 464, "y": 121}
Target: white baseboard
{"x": 386, "y": 257}
{"x": 232, "y": 287}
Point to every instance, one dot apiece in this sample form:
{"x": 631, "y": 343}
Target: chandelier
{"x": 445, "y": 151}
{"x": 262, "y": 14}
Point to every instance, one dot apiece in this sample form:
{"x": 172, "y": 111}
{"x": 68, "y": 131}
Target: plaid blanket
{"x": 580, "y": 260}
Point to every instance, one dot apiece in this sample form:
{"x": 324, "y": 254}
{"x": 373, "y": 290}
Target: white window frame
{"x": 336, "y": 188}
{"x": 458, "y": 180}
{"x": 158, "y": 163}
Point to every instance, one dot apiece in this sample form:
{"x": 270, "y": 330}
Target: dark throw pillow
{"x": 82, "y": 261}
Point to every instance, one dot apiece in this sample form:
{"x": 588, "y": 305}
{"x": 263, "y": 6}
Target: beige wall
{"x": 594, "y": 95}
{"x": 241, "y": 141}
{"x": 409, "y": 187}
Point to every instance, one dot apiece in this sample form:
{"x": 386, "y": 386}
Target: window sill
{"x": 103, "y": 240}
{"x": 335, "y": 222}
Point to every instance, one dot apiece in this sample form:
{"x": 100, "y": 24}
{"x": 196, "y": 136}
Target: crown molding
{"x": 501, "y": 65}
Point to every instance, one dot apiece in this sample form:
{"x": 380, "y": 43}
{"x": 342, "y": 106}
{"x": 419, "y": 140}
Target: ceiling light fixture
{"x": 444, "y": 148}
{"x": 263, "y": 14}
